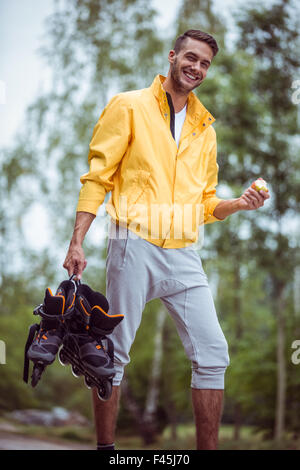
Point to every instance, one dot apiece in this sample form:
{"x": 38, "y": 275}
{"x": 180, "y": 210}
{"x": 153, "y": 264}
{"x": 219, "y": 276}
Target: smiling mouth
{"x": 191, "y": 77}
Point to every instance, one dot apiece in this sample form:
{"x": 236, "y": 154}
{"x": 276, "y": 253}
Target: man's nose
{"x": 196, "y": 67}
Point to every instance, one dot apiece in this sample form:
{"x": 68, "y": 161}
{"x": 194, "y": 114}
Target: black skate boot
{"x": 45, "y": 339}
{"x": 86, "y": 346}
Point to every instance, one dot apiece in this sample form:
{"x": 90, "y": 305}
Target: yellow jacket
{"x": 161, "y": 192}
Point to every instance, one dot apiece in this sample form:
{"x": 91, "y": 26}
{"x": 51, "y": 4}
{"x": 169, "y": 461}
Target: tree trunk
{"x": 146, "y": 421}
{"x": 153, "y": 390}
{"x": 237, "y": 422}
{"x": 281, "y": 367}
{"x": 133, "y": 407}
{"x": 237, "y": 305}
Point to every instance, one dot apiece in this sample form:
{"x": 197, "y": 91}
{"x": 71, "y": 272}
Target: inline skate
{"x": 85, "y": 345}
{"x": 45, "y": 339}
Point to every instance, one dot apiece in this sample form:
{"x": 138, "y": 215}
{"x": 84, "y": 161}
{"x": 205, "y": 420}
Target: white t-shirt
{"x": 179, "y": 120}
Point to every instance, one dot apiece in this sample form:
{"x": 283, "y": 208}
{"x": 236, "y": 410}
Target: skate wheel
{"x": 62, "y": 358}
{"x": 76, "y": 372}
{"x": 105, "y": 390}
{"x": 88, "y": 382}
{"x": 36, "y": 374}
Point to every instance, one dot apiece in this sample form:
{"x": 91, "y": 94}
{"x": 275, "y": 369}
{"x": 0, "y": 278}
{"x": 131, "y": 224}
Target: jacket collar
{"x": 197, "y": 114}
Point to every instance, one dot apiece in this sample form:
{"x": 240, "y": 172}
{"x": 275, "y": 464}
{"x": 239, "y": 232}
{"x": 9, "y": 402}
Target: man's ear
{"x": 171, "y": 56}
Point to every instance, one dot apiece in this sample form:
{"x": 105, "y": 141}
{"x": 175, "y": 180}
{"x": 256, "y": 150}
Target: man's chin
{"x": 189, "y": 86}
{"x": 184, "y": 86}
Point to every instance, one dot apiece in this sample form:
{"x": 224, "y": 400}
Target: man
{"x": 155, "y": 150}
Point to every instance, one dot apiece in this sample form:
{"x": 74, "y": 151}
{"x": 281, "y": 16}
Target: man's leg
{"x": 193, "y": 311}
{"x": 126, "y": 290}
{"x": 106, "y": 413}
{"x": 207, "y": 405}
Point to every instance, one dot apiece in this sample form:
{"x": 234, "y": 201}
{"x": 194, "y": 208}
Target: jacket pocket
{"x": 138, "y": 187}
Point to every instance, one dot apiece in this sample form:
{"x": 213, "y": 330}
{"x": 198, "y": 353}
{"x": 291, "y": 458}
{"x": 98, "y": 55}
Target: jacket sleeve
{"x": 109, "y": 143}
{"x": 209, "y": 199}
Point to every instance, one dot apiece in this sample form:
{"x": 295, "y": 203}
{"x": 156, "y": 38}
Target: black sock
{"x": 105, "y": 446}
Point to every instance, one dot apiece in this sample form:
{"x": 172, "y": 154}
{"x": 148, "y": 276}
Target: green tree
{"x": 266, "y": 33}
{"x": 249, "y": 90}
{"x": 257, "y": 137}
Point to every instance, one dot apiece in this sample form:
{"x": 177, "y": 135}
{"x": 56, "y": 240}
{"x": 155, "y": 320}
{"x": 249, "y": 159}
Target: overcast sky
{"x": 22, "y": 72}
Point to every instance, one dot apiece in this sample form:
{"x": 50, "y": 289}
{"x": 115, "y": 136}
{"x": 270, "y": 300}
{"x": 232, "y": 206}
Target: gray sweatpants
{"x": 137, "y": 272}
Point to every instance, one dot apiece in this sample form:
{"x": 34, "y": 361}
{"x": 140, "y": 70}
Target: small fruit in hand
{"x": 260, "y": 185}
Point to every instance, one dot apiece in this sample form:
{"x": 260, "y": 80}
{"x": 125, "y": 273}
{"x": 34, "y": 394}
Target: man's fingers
{"x": 249, "y": 199}
{"x": 257, "y": 198}
{"x": 79, "y": 268}
{"x": 71, "y": 269}
{"x": 254, "y": 199}
{"x": 255, "y": 195}
{"x": 264, "y": 194}
{"x": 75, "y": 263}
{"x": 67, "y": 265}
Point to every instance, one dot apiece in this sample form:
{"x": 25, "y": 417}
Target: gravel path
{"x": 10, "y": 441}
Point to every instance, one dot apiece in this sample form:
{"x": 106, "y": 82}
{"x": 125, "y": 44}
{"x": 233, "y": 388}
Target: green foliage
{"x": 256, "y": 138}
{"x": 14, "y": 329}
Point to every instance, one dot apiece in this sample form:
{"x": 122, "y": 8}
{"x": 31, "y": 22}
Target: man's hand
{"x": 252, "y": 199}
{"x": 75, "y": 261}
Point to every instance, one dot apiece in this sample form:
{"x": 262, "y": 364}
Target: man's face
{"x": 189, "y": 67}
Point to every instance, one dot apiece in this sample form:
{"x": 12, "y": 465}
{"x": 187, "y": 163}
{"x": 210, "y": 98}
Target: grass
{"x": 185, "y": 439}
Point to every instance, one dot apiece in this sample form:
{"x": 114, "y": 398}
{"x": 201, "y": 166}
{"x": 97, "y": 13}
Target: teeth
{"x": 190, "y": 76}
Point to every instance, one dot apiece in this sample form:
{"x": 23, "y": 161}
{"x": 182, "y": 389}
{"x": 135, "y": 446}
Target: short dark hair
{"x": 200, "y": 36}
